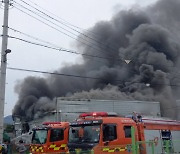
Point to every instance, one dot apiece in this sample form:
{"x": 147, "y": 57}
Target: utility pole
{"x": 4, "y": 52}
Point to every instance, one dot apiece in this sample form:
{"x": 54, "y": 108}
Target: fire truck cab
{"x": 102, "y": 132}
{"x": 52, "y": 137}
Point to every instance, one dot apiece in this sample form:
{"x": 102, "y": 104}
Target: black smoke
{"x": 149, "y": 37}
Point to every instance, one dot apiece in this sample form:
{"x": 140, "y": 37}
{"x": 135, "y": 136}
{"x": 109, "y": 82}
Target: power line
{"x": 64, "y": 21}
{"x": 75, "y": 76}
{"x": 53, "y": 18}
{"x": 99, "y": 42}
{"x": 83, "y": 41}
{"x": 84, "y": 77}
{"x": 30, "y": 36}
{"x": 43, "y": 21}
{"x": 65, "y": 50}
{"x": 34, "y": 43}
{"x": 55, "y": 47}
{"x": 78, "y": 31}
{"x": 62, "y": 49}
{"x": 62, "y": 74}
{"x": 53, "y": 73}
{"x": 58, "y": 29}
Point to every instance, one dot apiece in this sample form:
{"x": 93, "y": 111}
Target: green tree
{"x": 9, "y": 128}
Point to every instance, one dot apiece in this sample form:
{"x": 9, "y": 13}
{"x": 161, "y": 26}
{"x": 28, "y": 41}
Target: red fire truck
{"x": 52, "y": 137}
{"x": 102, "y": 132}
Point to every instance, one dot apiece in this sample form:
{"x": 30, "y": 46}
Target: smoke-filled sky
{"x": 29, "y": 56}
{"x": 148, "y": 36}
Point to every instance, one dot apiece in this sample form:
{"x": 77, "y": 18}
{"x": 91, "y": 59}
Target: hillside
{"x": 8, "y": 119}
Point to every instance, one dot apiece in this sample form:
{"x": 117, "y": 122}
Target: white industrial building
{"x": 69, "y": 110}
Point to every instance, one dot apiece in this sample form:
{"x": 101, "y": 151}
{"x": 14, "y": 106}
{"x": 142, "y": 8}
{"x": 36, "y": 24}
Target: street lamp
{"x": 5, "y": 55}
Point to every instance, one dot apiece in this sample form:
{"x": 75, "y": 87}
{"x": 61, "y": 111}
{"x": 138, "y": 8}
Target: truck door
{"x": 127, "y": 137}
{"x": 110, "y": 140}
{"x": 117, "y": 139}
{"x": 109, "y": 133}
{"x": 127, "y": 134}
{"x": 56, "y": 141}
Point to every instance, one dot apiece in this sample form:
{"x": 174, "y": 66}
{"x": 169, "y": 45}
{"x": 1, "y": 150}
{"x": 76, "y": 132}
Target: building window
{"x": 109, "y": 132}
{"x": 127, "y": 131}
{"x": 56, "y": 135}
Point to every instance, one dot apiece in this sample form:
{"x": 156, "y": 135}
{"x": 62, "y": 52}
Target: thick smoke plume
{"x": 149, "y": 37}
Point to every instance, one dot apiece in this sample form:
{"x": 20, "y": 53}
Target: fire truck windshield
{"x": 39, "y": 136}
{"x": 84, "y": 134}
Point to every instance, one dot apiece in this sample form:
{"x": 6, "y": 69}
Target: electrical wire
{"x": 67, "y": 25}
{"x": 55, "y": 47}
{"x": 78, "y": 31}
{"x": 35, "y": 38}
{"x": 74, "y": 38}
{"x": 44, "y": 22}
{"x": 69, "y": 75}
{"x": 64, "y": 21}
{"x": 56, "y": 29}
{"x": 56, "y": 19}
{"x": 78, "y": 53}
{"x": 53, "y": 73}
{"x": 84, "y": 77}
{"x": 83, "y": 41}
{"x": 75, "y": 76}
{"x": 62, "y": 49}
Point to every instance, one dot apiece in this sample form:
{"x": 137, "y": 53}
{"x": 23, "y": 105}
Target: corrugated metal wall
{"x": 70, "y": 109}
